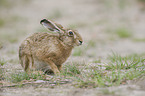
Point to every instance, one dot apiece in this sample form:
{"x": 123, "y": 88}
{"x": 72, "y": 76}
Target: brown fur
{"x": 44, "y": 51}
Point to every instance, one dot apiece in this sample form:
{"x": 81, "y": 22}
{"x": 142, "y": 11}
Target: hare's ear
{"x": 50, "y": 25}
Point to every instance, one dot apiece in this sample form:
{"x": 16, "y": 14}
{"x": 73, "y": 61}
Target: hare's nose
{"x": 80, "y": 42}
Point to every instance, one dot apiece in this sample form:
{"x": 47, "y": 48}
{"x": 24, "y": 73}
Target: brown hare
{"x": 47, "y": 52}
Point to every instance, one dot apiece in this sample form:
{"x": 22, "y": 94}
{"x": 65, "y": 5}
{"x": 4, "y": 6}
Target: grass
{"x": 6, "y": 4}
{"x": 110, "y": 5}
{"x": 26, "y": 1}
{"x": 16, "y": 77}
{"x": 13, "y": 40}
{"x": 108, "y": 92}
{"x": 21, "y": 76}
{"x": 139, "y": 39}
{"x": 1, "y": 45}
{"x": 142, "y": 1}
{"x": 9, "y": 4}
{"x": 2, "y": 22}
{"x": 122, "y": 4}
{"x": 2, "y": 62}
{"x": 97, "y": 61}
{"x": 80, "y": 51}
{"x": 123, "y": 33}
{"x": 11, "y": 36}
{"x": 91, "y": 44}
{"x": 120, "y": 32}
{"x": 118, "y": 62}
{"x": 116, "y": 71}
{"x": 1, "y": 74}
{"x": 106, "y": 3}
{"x": 10, "y": 39}
{"x": 71, "y": 69}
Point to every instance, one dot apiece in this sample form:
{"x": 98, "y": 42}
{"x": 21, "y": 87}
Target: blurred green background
{"x": 105, "y": 25}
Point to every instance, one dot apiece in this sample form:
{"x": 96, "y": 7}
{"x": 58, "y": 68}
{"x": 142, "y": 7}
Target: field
{"x": 110, "y": 62}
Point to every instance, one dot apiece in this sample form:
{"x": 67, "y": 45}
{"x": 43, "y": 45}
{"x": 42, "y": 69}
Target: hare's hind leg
{"x": 28, "y": 63}
{"x": 24, "y": 62}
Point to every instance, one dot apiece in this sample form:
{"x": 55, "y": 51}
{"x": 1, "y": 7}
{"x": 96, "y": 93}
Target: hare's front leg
{"x": 53, "y": 66}
{"x": 59, "y": 67}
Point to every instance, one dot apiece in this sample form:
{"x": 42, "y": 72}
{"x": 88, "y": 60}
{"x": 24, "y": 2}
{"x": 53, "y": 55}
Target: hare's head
{"x": 68, "y": 36}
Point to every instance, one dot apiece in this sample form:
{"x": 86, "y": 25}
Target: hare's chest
{"x": 57, "y": 54}
{"x": 62, "y": 57}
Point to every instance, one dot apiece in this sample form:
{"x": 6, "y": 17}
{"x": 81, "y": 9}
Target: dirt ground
{"x": 96, "y": 20}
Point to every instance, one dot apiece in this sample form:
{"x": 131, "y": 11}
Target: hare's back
{"x": 39, "y": 37}
{"x": 37, "y": 41}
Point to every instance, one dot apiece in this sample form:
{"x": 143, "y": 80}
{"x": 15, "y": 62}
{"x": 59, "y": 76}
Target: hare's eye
{"x": 70, "y": 33}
